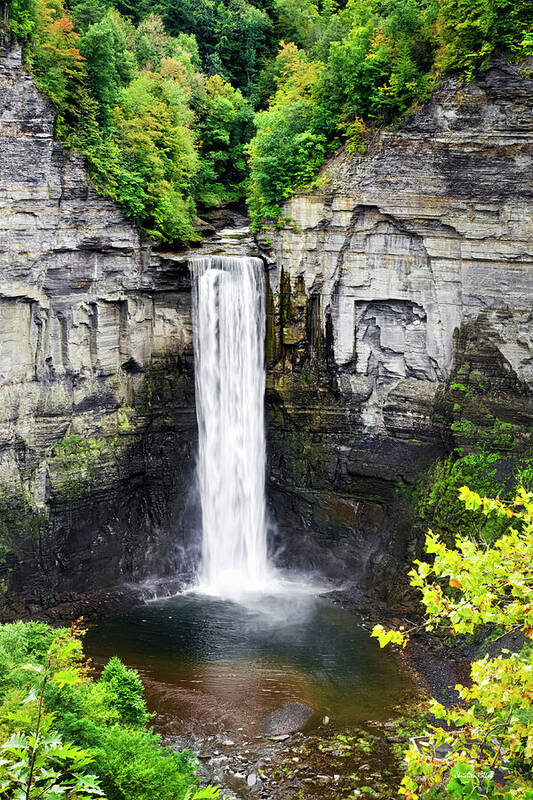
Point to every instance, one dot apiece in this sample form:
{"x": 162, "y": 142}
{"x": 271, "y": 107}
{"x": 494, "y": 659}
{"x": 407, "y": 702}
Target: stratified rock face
{"x": 428, "y": 232}
{"x": 97, "y": 422}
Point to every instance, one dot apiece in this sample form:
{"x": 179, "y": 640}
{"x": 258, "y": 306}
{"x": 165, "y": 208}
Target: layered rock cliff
{"x": 97, "y": 424}
{"x": 406, "y": 277}
{"x": 399, "y": 325}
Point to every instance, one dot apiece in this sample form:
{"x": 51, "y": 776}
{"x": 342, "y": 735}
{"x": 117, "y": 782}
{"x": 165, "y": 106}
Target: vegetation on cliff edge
{"x": 169, "y": 99}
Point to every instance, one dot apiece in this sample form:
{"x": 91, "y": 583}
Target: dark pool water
{"x": 212, "y": 665}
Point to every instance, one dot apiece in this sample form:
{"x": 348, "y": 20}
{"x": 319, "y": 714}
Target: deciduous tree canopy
{"x": 316, "y": 74}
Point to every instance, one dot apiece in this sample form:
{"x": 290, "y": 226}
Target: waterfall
{"x": 229, "y": 332}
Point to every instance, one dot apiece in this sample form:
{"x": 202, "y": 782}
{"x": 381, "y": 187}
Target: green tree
{"x": 21, "y": 16}
{"x": 470, "y": 31}
{"x": 158, "y": 155}
{"x": 463, "y": 589}
{"x": 285, "y": 154}
{"x": 197, "y": 17}
{"x": 88, "y": 12}
{"x": 298, "y": 21}
{"x": 152, "y": 42}
{"x": 126, "y": 692}
{"x": 225, "y": 125}
{"x": 380, "y": 68}
{"x": 243, "y": 33}
{"x": 56, "y": 59}
{"x": 109, "y": 63}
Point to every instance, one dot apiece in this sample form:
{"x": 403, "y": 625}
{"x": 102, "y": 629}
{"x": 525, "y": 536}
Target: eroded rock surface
{"x": 97, "y": 424}
{"x": 409, "y": 264}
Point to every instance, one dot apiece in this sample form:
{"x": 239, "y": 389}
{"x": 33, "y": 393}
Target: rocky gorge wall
{"x": 399, "y": 327}
{"x": 97, "y": 421}
{"x": 401, "y": 311}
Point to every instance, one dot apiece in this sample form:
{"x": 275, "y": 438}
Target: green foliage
{"x": 380, "y": 68}
{"x": 126, "y": 692}
{"x": 355, "y": 137}
{"x": 464, "y": 588}
{"x": 39, "y": 763}
{"x": 285, "y": 153}
{"x": 76, "y": 460}
{"x": 151, "y": 131}
{"x": 88, "y": 12}
{"x": 21, "y": 643}
{"x": 21, "y": 15}
{"x": 225, "y": 124}
{"x": 159, "y": 94}
{"x": 438, "y": 503}
{"x": 56, "y": 60}
{"x": 299, "y": 22}
{"x": 242, "y": 32}
{"x": 234, "y": 36}
{"x": 470, "y": 31}
{"x": 109, "y": 63}
{"x": 72, "y": 737}
{"x": 134, "y": 766}
{"x": 43, "y": 765}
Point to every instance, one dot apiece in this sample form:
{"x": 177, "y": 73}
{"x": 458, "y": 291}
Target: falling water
{"x": 229, "y": 332}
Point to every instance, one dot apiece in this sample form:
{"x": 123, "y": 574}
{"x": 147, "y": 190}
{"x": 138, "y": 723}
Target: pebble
{"x": 251, "y": 780}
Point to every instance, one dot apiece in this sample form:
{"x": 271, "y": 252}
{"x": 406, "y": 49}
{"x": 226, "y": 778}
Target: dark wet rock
{"x": 226, "y": 216}
{"x": 204, "y": 228}
{"x": 292, "y": 717}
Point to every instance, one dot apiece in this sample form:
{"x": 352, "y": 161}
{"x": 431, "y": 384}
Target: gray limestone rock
{"x": 407, "y": 264}
{"x": 95, "y": 348}
{"x": 291, "y": 717}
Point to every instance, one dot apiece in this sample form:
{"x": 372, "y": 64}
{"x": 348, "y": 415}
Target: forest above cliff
{"x": 179, "y": 107}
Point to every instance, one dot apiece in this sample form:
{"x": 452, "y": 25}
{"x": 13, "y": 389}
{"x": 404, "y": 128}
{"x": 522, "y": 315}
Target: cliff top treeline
{"x": 180, "y": 105}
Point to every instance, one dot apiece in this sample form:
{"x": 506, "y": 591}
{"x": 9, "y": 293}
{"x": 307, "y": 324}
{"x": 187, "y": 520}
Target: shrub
{"x": 69, "y": 726}
{"x": 464, "y": 588}
{"x": 125, "y": 692}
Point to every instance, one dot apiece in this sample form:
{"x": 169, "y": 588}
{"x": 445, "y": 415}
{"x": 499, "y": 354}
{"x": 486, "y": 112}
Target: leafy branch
{"x": 462, "y": 589}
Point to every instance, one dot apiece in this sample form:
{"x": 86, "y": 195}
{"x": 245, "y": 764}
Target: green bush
{"x": 133, "y": 766}
{"x": 22, "y": 643}
{"x": 21, "y": 15}
{"x": 126, "y": 692}
{"x": 83, "y": 726}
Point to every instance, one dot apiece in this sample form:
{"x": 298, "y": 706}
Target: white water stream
{"x": 229, "y": 333}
